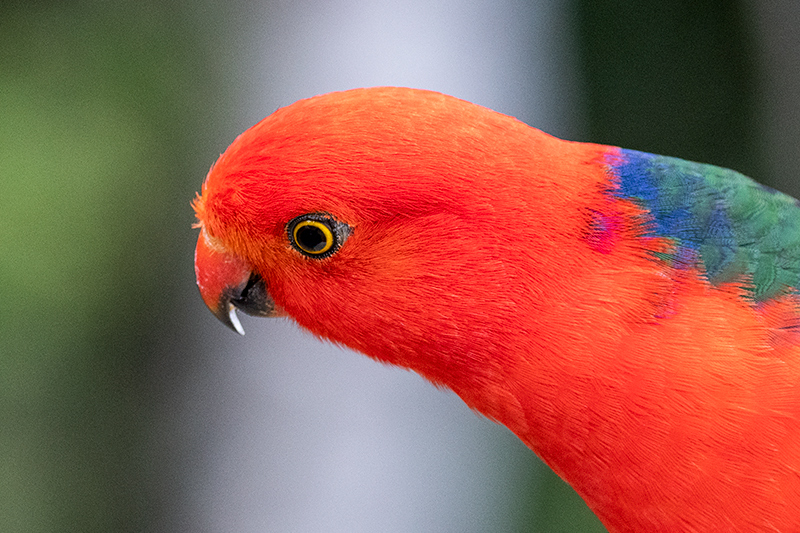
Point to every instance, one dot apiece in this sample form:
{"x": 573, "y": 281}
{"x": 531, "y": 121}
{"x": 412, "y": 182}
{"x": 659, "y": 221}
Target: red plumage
{"x": 489, "y": 257}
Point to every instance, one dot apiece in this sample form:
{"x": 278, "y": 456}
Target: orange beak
{"x": 228, "y": 283}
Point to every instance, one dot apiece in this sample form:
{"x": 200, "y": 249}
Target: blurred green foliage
{"x": 103, "y": 105}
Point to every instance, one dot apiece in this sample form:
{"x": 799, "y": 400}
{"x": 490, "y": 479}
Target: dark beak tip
{"x": 251, "y": 298}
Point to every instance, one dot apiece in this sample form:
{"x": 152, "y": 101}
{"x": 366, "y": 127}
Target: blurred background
{"x": 124, "y": 405}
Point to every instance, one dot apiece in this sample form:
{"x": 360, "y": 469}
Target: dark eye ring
{"x": 317, "y": 235}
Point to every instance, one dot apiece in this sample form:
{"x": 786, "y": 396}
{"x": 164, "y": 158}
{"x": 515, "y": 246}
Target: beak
{"x": 228, "y": 283}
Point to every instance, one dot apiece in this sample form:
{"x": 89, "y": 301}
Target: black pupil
{"x": 311, "y": 238}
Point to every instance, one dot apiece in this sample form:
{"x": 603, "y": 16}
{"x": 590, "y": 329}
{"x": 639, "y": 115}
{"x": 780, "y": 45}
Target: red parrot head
{"x": 398, "y": 222}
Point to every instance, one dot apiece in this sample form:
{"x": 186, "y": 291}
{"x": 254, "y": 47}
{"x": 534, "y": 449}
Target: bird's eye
{"x": 313, "y": 237}
{"x": 317, "y": 235}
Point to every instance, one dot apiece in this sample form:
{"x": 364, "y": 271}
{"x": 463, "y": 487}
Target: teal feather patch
{"x": 734, "y": 227}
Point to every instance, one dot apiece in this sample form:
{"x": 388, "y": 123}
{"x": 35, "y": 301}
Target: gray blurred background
{"x": 125, "y": 406}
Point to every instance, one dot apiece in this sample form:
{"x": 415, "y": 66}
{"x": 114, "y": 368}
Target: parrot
{"x": 633, "y": 318}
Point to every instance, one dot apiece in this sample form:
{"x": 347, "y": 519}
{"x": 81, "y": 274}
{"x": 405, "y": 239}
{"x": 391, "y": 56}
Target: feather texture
{"x": 736, "y": 227}
{"x": 632, "y": 318}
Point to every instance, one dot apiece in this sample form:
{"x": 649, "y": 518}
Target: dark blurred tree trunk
{"x": 674, "y": 77}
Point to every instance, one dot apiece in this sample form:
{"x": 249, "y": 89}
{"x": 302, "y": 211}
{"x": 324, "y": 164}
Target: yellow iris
{"x": 313, "y": 237}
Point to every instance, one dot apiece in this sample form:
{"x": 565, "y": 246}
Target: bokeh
{"x": 125, "y": 407}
